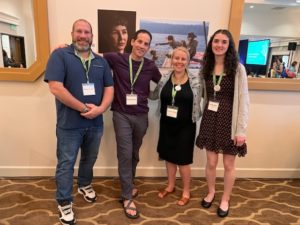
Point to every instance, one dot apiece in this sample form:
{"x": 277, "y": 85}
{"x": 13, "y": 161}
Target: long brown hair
{"x": 231, "y": 58}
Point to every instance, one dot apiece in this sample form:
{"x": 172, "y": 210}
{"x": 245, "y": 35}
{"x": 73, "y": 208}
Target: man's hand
{"x": 60, "y": 46}
{"x": 93, "y": 111}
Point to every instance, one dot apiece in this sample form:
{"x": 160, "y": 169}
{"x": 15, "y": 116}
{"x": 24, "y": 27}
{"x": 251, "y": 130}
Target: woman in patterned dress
{"x": 224, "y": 121}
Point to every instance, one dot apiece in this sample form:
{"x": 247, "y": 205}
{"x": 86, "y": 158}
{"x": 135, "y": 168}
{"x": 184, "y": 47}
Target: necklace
{"x": 178, "y": 87}
{"x": 217, "y": 83}
{"x": 178, "y": 82}
{"x": 217, "y": 86}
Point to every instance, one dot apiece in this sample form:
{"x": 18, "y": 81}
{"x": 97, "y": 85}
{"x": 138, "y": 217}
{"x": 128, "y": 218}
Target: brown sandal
{"x": 163, "y": 193}
{"x": 183, "y": 201}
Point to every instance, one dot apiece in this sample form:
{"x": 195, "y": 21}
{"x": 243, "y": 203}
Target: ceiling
{"x": 275, "y": 2}
{"x": 271, "y": 8}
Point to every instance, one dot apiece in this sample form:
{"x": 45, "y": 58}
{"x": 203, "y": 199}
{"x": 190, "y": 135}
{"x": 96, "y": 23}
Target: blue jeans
{"x": 68, "y": 144}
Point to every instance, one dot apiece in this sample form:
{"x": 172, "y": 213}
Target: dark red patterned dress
{"x": 215, "y": 128}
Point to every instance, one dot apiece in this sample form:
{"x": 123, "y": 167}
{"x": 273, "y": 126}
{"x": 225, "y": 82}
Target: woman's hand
{"x": 239, "y": 140}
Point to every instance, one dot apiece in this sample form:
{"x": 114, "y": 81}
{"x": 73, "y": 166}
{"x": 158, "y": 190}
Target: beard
{"x": 80, "y": 47}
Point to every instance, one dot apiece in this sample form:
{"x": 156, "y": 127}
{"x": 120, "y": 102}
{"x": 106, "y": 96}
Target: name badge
{"x": 131, "y": 99}
{"x": 213, "y": 106}
{"x": 172, "y": 111}
{"x": 88, "y": 89}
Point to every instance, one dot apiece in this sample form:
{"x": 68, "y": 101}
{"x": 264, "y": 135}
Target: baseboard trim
{"x": 19, "y": 171}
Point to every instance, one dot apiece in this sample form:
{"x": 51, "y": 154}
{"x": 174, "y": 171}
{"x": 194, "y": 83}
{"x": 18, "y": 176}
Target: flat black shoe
{"x": 206, "y": 204}
{"x": 222, "y": 213}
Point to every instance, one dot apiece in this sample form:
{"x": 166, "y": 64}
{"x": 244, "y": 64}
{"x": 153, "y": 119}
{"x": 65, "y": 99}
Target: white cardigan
{"x": 240, "y": 109}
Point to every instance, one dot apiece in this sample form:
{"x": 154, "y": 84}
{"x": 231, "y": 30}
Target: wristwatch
{"x": 85, "y": 109}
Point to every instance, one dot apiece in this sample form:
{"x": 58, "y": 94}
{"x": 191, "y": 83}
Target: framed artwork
{"x": 115, "y": 30}
{"x": 167, "y": 35}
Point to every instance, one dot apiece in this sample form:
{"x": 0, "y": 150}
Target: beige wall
{"x": 27, "y": 112}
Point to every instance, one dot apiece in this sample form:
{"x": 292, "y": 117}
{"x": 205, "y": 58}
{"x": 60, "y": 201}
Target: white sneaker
{"x": 66, "y": 214}
{"x": 88, "y": 193}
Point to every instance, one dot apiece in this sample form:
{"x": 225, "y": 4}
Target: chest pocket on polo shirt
{"x": 96, "y": 72}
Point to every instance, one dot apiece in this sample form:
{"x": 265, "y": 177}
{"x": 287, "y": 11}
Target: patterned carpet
{"x": 253, "y": 202}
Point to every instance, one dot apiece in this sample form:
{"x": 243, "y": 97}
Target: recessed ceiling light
{"x": 252, "y": 6}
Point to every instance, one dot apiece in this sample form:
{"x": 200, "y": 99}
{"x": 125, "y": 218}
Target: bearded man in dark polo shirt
{"x": 82, "y": 84}
{"x": 132, "y": 74}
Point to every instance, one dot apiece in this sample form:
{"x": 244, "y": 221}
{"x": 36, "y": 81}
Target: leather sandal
{"x": 128, "y": 207}
{"x": 163, "y": 193}
{"x": 183, "y": 201}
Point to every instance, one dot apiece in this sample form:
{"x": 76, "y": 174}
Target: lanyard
{"x": 86, "y": 67}
{"x": 217, "y": 83}
{"x": 132, "y": 81}
{"x": 174, "y": 92}
{"x": 175, "y": 89}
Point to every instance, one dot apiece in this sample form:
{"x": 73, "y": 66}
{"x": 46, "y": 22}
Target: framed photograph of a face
{"x": 167, "y": 35}
{"x": 115, "y": 30}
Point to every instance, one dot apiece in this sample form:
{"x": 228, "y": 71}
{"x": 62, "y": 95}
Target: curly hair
{"x": 231, "y": 58}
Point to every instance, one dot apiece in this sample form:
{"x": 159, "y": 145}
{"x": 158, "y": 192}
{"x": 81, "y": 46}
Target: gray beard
{"x": 82, "y": 49}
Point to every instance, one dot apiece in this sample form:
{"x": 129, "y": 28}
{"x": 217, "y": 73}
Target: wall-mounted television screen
{"x": 257, "y": 53}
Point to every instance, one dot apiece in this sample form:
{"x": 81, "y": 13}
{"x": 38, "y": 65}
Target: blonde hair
{"x": 183, "y": 49}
